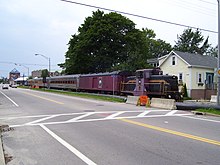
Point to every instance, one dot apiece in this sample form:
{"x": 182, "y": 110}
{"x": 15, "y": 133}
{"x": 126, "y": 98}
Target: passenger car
{"x": 14, "y": 85}
{"x": 5, "y": 86}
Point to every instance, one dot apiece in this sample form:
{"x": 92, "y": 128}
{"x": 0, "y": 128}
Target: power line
{"x": 135, "y": 15}
{"x": 193, "y": 6}
{"x": 13, "y": 63}
{"x": 207, "y": 2}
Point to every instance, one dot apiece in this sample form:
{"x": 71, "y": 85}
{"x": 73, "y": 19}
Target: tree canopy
{"x": 106, "y": 42}
{"x": 103, "y": 41}
{"x": 192, "y": 42}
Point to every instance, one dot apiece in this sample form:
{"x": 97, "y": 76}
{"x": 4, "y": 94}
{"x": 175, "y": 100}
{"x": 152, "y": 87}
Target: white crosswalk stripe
{"x": 91, "y": 116}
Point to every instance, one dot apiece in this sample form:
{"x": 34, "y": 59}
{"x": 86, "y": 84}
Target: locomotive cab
{"x": 142, "y": 80}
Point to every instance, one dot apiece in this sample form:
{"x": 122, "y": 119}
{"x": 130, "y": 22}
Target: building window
{"x": 199, "y": 78}
{"x": 181, "y": 76}
{"x": 173, "y": 60}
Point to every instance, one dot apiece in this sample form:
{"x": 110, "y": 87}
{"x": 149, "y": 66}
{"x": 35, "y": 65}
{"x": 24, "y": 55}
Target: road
{"x": 61, "y": 130}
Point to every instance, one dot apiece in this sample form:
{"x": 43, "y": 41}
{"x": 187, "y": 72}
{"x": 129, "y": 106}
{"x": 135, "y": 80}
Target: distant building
{"x": 14, "y": 74}
{"x": 36, "y": 73}
{"x": 21, "y": 81}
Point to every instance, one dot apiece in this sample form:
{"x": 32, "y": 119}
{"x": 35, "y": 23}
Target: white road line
{"x": 143, "y": 113}
{"x": 69, "y": 147}
{"x": 215, "y": 121}
{"x": 114, "y": 115}
{"x": 80, "y": 117}
{"x": 171, "y": 113}
{"x": 99, "y": 119}
{"x": 76, "y": 113}
{"x": 37, "y": 116}
{"x": 10, "y": 99}
{"x": 39, "y": 120}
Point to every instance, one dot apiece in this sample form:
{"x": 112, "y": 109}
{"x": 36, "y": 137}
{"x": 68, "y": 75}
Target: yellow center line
{"x": 173, "y": 132}
{"x": 44, "y": 98}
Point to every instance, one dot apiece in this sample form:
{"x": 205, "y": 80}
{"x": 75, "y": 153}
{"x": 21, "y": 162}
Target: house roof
{"x": 152, "y": 60}
{"x": 195, "y": 60}
{"x": 15, "y": 71}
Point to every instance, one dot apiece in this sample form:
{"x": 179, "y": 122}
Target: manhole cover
{"x": 99, "y": 105}
{"x": 89, "y": 111}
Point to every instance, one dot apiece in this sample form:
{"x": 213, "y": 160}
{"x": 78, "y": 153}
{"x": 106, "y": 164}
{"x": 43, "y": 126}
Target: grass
{"x": 209, "y": 111}
{"x": 84, "y": 95}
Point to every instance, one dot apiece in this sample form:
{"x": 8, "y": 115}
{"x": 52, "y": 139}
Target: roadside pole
{"x": 218, "y": 69}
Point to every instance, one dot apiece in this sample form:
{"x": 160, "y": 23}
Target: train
{"x": 150, "y": 82}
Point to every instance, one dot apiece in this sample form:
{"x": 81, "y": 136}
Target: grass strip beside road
{"x": 84, "y": 95}
{"x": 209, "y": 111}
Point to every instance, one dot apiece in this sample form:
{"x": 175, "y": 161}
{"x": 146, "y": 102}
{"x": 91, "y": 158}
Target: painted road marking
{"x": 44, "y": 98}
{"x": 143, "y": 113}
{"x": 68, "y": 146}
{"x": 198, "y": 138}
{"x": 10, "y": 99}
{"x": 39, "y": 120}
{"x": 112, "y": 115}
{"x": 171, "y": 112}
{"x": 80, "y": 117}
{"x": 196, "y": 118}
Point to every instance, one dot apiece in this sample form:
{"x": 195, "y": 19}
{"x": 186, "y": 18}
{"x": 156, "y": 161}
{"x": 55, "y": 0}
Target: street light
{"x": 48, "y": 58}
{"x": 24, "y": 67}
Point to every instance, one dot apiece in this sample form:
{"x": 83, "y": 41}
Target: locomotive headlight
{"x": 169, "y": 96}
{"x": 139, "y": 82}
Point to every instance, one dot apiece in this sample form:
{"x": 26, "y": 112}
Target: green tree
{"x": 106, "y": 42}
{"x": 192, "y": 42}
{"x": 146, "y": 47}
{"x": 103, "y": 41}
{"x": 185, "y": 94}
{"x": 44, "y": 73}
{"x": 213, "y": 51}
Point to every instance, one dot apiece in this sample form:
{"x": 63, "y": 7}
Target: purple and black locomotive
{"x": 150, "y": 82}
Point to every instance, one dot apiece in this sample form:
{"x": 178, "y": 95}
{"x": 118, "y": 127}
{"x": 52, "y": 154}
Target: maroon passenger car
{"x": 109, "y": 82}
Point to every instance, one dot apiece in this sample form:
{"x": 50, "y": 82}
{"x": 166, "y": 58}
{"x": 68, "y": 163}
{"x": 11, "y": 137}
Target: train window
{"x": 139, "y": 74}
{"x": 147, "y": 74}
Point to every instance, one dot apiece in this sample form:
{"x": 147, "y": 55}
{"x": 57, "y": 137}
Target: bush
{"x": 185, "y": 94}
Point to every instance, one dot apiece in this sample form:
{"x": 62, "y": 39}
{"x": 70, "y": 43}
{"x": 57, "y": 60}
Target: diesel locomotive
{"x": 150, "y": 82}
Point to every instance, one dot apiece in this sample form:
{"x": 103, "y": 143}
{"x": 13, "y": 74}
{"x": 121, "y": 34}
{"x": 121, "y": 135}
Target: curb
{"x": 198, "y": 113}
{"x": 2, "y": 157}
{"x": 204, "y": 113}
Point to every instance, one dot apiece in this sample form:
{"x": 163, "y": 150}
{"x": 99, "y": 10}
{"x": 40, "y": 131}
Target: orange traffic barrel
{"x": 143, "y": 100}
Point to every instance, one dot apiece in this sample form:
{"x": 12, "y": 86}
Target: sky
{"x": 29, "y": 27}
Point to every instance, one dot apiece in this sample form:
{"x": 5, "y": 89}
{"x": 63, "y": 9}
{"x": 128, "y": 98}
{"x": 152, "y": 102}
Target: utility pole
{"x": 218, "y": 69}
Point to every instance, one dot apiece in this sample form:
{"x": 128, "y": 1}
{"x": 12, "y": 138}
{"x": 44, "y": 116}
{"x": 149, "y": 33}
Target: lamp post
{"x": 218, "y": 69}
{"x": 24, "y": 67}
{"x": 48, "y": 58}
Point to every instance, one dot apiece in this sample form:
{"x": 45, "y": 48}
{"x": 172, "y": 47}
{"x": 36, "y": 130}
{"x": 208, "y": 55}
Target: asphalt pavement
{"x": 48, "y": 128}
